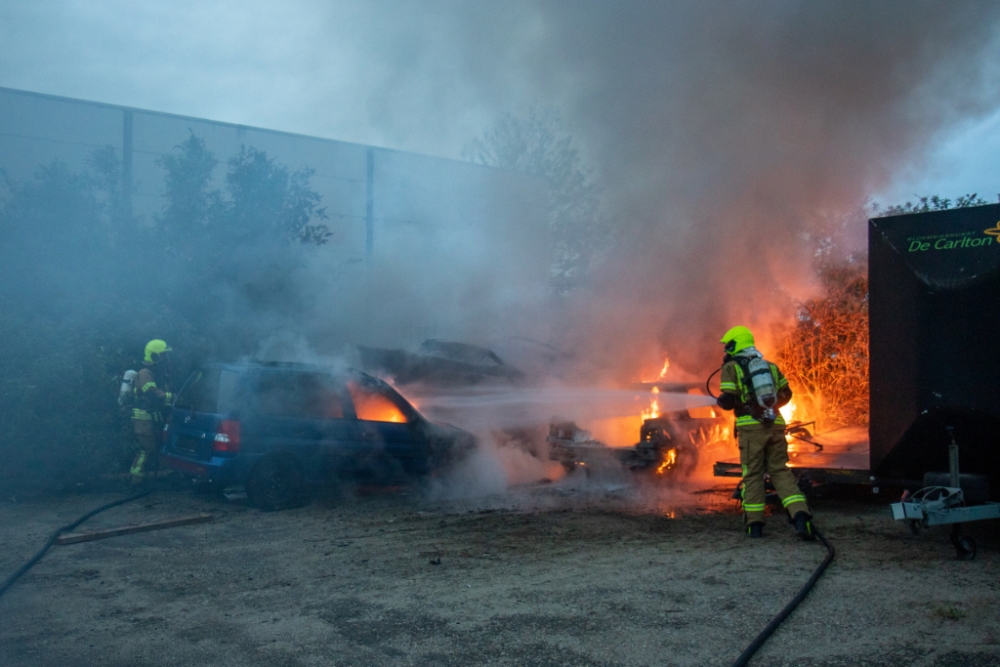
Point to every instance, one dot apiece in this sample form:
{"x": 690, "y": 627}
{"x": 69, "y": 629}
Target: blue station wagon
{"x": 275, "y": 427}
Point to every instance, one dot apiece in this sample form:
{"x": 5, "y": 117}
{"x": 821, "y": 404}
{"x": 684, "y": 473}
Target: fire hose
{"x": 708, "y": 390}
{"x": 38, "y": 556}
{"x": 744, "y": 658}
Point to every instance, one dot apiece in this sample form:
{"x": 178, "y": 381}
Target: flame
{"x": 788, "y": 411}
{"x": 654, "y": 406}
{"x": 373, "y": 406}
{"x": 663, "y": 371}
{"x": 708, "y": 434}
{"x": 669, "y": 459}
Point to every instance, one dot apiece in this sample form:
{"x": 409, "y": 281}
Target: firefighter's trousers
{"x": 147, "y": 436}
{"x": 764, "y": 450}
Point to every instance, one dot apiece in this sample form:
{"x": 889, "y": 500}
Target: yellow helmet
{"x": 155, "y": 349}
{"x": 736, "y": 339}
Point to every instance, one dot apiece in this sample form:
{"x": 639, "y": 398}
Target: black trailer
{"x": 934, "y": 291}
{"x": 934, "y": 332}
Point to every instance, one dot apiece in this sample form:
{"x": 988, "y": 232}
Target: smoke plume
{"x": 729, "y": 137}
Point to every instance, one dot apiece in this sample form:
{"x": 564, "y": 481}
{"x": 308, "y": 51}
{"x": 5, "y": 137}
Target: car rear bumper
{"x": 215, "y": 470}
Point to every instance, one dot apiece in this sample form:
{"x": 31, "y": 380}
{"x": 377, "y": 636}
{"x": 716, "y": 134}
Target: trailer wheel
{"x": 965, "y": 548}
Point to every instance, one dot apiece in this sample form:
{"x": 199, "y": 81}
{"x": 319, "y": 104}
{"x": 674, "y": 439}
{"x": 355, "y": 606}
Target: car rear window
{"x": 302, "y": 395}
{"x": 377, "y": 404}
{"x": 210, "y": 390}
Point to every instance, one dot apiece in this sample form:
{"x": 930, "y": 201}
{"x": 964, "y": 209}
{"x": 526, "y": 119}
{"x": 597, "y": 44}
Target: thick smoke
{"x": 729, "y": 137}
{"x": 732, "y": 135}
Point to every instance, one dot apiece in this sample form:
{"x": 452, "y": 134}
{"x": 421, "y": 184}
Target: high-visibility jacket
{"x": 150, "y": 400}
{"x": 735, "y": 383}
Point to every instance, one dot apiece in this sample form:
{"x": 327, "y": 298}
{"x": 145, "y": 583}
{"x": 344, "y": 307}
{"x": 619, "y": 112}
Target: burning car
{"x": 274, "y": 427}
{"x": 669, "y": 443}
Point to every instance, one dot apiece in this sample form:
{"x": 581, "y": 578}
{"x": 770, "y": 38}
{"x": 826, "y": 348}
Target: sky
{"x": 964, "y": 160}
{"x": 367, "y": 72}
{"x": 728, "y": 136}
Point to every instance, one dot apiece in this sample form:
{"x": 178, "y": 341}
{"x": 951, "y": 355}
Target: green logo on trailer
{"x": 955, "y": 240}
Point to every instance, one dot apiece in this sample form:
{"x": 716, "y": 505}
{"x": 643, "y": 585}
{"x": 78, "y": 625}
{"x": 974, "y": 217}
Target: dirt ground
{"x": 569, "y": 573}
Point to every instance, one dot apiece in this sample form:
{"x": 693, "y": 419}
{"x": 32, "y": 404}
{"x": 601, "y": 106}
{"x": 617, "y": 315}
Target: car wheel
{"x": 275, "y": 483}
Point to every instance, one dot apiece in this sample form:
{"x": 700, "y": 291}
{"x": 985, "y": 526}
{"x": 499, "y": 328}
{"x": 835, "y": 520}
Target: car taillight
{"x": 227, "y": 437}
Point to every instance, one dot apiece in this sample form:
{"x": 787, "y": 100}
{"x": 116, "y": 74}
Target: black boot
{"x": 756, "y": 529}
{"x": 803, "y": 526}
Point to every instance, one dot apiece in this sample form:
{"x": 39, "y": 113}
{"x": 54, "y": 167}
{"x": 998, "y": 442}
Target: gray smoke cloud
{"x": 725, "y": 132}
{"x": 729, "y": 137}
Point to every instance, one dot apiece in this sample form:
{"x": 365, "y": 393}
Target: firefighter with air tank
{"x": 150, "y": 404}
{"x": 754, "y": 389}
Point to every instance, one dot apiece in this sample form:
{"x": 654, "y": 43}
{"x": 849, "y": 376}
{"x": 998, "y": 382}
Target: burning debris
{"x": 669, "y": 444}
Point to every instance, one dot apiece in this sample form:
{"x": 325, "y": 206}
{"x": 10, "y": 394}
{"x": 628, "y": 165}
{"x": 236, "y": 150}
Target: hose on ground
{"x": 744, "y": 658}
{"x": 52, "y": 540}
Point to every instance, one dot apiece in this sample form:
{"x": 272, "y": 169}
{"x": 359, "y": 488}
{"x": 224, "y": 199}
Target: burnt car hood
{"x": 449, "y": 441}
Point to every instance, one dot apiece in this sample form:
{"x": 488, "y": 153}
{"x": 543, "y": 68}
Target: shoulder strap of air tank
{"x": 748, "y": 392}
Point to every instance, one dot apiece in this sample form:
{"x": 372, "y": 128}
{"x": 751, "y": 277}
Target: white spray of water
{"x": 493, "y": 408}
{"x": 511, "y": 424}
{"x": 500, "y": 462}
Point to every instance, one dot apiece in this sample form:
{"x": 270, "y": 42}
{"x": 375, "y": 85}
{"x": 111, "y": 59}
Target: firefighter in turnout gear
{"x": 150, "y": 406}
{"x": 754, "y": 389}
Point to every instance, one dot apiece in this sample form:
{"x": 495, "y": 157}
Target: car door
{"x": 303, "y": 414}
{"x": 208, "y": 396}
{"x": 387, "y": 423}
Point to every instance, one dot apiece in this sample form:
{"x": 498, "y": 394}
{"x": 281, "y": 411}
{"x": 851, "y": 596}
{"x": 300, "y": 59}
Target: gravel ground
{"x": 572, "y": 573}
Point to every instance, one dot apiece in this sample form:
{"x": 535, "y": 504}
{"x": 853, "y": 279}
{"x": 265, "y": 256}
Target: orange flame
{"x": 669, "y": 459}
{"x": 654, "y": 406}
{"x": 663, "y": 371}
{"x": 788, "y": 411}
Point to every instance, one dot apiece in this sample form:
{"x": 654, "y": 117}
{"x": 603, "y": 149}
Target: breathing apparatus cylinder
{"x": 127, "y": 390}
{"x": 762, "y": 383}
